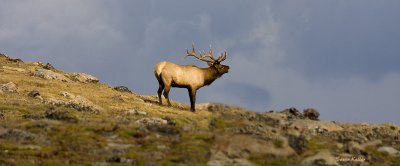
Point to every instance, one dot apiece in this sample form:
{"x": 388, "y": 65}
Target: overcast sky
{"x": 341, "y": 57}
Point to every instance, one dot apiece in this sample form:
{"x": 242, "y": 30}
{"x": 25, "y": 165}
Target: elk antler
{"x": 221, "y": 58}
{"x": 193, "y": 53}
{"x": 203, "y": 55}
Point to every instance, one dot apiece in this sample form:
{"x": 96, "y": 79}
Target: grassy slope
{"x": 113, "y": 136}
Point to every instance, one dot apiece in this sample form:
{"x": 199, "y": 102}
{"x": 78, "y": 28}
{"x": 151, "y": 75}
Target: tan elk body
{"x": 191, "y": 77}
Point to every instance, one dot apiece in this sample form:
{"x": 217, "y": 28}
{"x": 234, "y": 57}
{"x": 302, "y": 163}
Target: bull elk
{"x": 189, "y": 76}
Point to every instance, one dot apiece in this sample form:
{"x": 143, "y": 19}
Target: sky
{"x": 340, "y": 57}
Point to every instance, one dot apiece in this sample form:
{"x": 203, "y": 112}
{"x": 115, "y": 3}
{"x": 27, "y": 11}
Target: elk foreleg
{"x": 192, "y": 95}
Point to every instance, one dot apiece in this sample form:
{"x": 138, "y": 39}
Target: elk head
{"x": 209, "y": 58}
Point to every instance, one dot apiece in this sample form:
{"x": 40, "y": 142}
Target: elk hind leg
{"x": 166, "y": 93}
{"x": 160, "y": 89}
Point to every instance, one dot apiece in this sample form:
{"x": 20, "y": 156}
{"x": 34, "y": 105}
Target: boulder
{"x": 50, "y": 75}
{"x": 136, "y": 112}
{"x": 82, "y": 77}
{"x": 389, "y": 150}
{"x": 311, "y": 113}
{"x": 8, "y": 88}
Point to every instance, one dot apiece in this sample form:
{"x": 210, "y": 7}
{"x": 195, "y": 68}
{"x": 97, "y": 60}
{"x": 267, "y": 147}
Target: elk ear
{"x": 210, "y": 63}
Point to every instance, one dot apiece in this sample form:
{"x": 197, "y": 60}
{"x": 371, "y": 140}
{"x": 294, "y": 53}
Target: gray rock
{"x": 76, "y": 102}
{"x": 117, "y": 159}
{"x": 34, "y": 93}
{"x": 9, "y": 87}
{"x": 136, "y": 112}
{"x": 122, "y": 89}
{"x": 82, "y": 77}
{"x": 390, "y": 150}
{"x": 311, "y": 113}
{"x": 82, "y": 104}
{"x": 48, "y": 66}
{"x": 293, "y": 113}
{"x": 50, "y": 75}
{"x": 53, "y": 102}
{"x": 170, "y": 121}
{"x": 152, "y": 121}
{"x": 67, "y": 95}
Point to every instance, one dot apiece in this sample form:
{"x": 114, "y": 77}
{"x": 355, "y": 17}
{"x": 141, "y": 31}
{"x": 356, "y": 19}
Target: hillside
{"x": 50, "y": 117}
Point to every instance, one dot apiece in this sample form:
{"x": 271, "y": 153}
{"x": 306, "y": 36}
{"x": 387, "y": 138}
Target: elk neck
{"x": 210, "y": 75}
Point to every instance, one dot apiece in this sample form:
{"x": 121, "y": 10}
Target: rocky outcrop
{"x": 76, "y": 102}
{"x": 8, "y": 88}
{"x": 82, "y": 77}
{"x": 50, "y": 75}
{"x": 311, "y": 113}
{"x": 314, "y": 126}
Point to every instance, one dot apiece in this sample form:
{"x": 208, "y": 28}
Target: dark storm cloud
{"x": 337, "y": 56}
{"x": 344, "y": 38}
